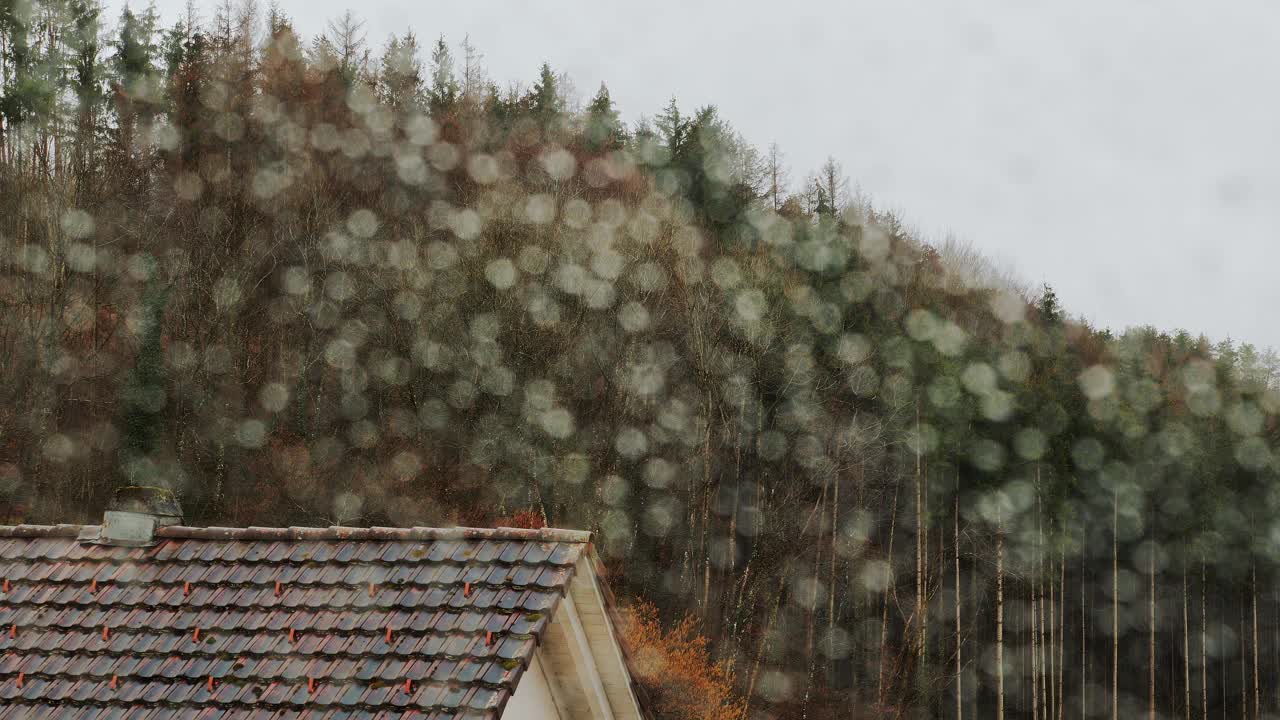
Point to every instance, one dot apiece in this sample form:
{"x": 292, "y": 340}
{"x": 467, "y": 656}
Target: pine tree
{"x": 502, "y": 108}
{"x": 544, "y": 101}
{"x": 185, "y": 83}
{"x": 646, "y": 144}
{"x": 133, "y": 74}
{"x": 400, "y": 77}
{"x": 86, "y": 82}
{"x": 672, "y": 127}
{"x": 1048, "y": 308}
{"x": 133, "y": 62}
{"x": 604, "y": 129}
{"x": 703, "y": 160}
{"x": 19, "y": 91}
{"x": 173, "y": 47}
{"x": 49, "y": 82}
{"x": 444, "y": 91}
{"x": 282, "y": 71}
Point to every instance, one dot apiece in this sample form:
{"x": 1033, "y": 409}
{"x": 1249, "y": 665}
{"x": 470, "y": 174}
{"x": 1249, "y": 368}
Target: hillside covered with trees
{"x": 315, "y": 281}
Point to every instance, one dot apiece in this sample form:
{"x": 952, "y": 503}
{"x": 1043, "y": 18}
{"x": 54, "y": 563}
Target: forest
{"x": 327, "y": 280}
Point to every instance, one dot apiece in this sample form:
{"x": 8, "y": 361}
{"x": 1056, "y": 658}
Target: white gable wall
{"x": 533, "y": 699}
{"x": 581, "y": 660}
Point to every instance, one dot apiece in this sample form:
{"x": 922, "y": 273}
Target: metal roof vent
{"x": 133, "y": 516}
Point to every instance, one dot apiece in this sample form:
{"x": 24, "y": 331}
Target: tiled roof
{"x": 274, "y": 622}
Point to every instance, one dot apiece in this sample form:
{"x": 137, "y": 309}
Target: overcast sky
{"x": 1125, "y": 151}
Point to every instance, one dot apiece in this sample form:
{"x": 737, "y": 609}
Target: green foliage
{"x": 135, "y": 48}
{"x": 84, "y": 47}
{"x": 501, "y": 108}
{"x": 701, "y": 165}
{"x": 604, "y": 128}
{"x": 401, "y": 83}
{"x": 543, "y": 101}
{"x": 1048, "y": 308}
{"x": 174, "y": 48}
{"x": 444, "y": 91}
{"x": 30, "y": 89}
{"x": 672, "y": 127}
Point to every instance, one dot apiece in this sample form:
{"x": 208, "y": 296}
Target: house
{"x": 143, "y": 617}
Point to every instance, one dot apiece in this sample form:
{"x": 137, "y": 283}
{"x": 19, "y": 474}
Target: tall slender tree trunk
{"x": 1062, "y": 628}
{"x": 960, "y": 642}
{"x": 1186, "y": 645}
{"x": 1053, "y": 645}
{"x": 925, "y": 569}
{"x": 1257, "y": 695}
{"x": 831, "y": 581}
{"x": 704, "y": 556}
{"x": 1037, "y": 608}
{"x": 1115, "y": 604}
{"x": 1151, "y": 645}
{"x": 1204, "y": 641}
{"x": 813, "y": 607}
{"x": 921, "y": 549}
{"x": 884, "y": 617}
{"x": 999, "y": 613}
{"x": 1044, "y": 653}
{"x": 1244, "y": 670}
{"x": 1035, "y": 659}
{"x": 1084, "y": 643}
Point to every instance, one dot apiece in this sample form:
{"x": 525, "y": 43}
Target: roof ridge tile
{"x": 333, "y": 532}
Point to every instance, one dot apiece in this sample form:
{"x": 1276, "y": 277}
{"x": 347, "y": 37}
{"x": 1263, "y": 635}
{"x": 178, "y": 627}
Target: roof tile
{"x": 438, "y": 591}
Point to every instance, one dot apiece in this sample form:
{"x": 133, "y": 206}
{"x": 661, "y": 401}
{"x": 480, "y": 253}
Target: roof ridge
{"x": 333, "y": 532}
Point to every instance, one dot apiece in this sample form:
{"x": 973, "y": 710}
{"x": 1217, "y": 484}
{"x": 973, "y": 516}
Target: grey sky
{"x": 1125, "y": 151}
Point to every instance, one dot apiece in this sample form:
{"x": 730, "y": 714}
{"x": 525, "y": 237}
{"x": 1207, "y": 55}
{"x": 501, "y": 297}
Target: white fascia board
{"x": 592, "y": 615}
{"x": 587, "y": 672}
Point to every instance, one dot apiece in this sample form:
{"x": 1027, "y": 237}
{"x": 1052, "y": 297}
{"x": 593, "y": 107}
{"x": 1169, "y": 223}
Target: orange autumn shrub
{"x": 675, "y": 668}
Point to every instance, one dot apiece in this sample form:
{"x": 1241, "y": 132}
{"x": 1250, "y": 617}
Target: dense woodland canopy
{"x": 314, "y": 281}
